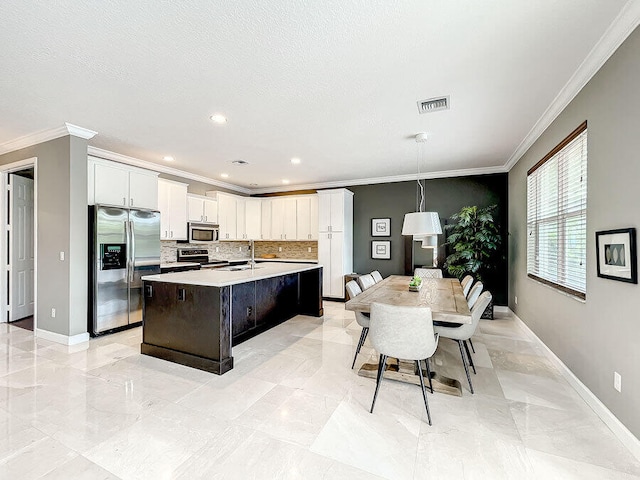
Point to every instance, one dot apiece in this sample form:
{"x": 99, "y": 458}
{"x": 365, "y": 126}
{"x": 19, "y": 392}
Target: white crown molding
{"x": 117, "y": 157}
{"x": 625, "y": 436}
{"x": 44, "y": 136}
{"x": 621, "y": 27}
{"x": 371, "y": 181}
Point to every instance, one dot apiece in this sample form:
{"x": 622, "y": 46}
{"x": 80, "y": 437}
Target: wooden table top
{"x": 443, "y": 295}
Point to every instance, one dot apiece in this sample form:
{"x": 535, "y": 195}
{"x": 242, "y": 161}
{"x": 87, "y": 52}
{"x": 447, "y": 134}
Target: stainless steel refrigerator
{"x": 124, "y": 246}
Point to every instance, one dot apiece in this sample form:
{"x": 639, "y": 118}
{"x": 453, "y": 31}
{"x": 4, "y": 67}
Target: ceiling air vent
{"x": 433, "y": 105}
{"x": 240, "y": 162}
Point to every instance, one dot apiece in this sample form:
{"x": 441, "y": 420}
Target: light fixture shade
{"x": 429, "y": 241}
{"x": 421, "y": 223}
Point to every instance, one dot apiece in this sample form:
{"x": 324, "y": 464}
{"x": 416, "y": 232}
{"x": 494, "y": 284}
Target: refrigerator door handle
{"x": 133, "y": 249}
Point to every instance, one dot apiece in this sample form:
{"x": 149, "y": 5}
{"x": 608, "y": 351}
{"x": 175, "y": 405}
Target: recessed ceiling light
{"x": 218, "y": 118}
{"x": 240, "y": 162}
{"x": 285, "y": 181}
{"x": 224, "y": 175}
{"x": 168, "y": 158}
{"x": 295, "y": 160}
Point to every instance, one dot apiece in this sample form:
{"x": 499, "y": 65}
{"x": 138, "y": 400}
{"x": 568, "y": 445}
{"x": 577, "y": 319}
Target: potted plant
{"x": 475, "y": 240}
{"x": 415, "y": 284}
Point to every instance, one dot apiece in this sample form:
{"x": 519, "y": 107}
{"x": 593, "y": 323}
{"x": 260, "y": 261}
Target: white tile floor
{"x": 293, "y": 409}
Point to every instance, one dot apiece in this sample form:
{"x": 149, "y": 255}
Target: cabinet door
{"x": 324, "y": 259}
{"x": 143, "y": 190}
{"x": 337, "y": 212}
{"x": 241, "y": 219}
{"x": 313, "y": 220}
{"x": 195, "y": 207}
{"x": 337, "y": 265}
{"x": 210, "y": 210}
{"x": 253, "y": 220}
{"x": 290, "y": 221}
{"x": 178, "y": 211}
{"x": 111, "y": 185}
{"x": 227, "y": 217}
{"x": 277, "y": 219}
{"x": 266, "y": 220}
{"x": 324, "y": 212}
{"x": 163, "y": 206}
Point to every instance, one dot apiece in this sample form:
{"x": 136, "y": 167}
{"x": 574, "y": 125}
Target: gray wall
{"x": 198, "y": 188}
{"x": 601, "y": 335}
{"x": 443, "y": 195}
{"x": 62, "y": 226}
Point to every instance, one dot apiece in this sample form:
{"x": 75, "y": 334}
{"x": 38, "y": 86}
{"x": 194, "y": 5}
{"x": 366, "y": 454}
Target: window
{"x": 557, "y": 216}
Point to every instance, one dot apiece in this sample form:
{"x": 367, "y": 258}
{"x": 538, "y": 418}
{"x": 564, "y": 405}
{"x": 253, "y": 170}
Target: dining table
{"x": 448, "y": 307}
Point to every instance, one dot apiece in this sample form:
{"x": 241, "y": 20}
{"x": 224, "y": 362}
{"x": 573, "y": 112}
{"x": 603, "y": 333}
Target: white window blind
{"x": 557, "y": 216}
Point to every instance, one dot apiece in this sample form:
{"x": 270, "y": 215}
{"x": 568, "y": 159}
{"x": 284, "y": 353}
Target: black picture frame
{"x": 381, "y": 249}
{"x": 616, "y": 255}
{"x": 381, "y": 227}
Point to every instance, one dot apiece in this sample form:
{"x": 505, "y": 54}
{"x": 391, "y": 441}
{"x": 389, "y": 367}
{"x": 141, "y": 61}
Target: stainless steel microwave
{"x": 203, "y": 233}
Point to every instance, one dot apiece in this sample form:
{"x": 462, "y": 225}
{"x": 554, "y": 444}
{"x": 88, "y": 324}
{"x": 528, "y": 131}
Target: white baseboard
{"x": 63, "y": 339}
{"x": 501, "y": 309}
{"x": 627, "y": 438}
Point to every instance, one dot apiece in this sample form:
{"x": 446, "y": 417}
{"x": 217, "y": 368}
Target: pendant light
{"x": 420, "y": 224}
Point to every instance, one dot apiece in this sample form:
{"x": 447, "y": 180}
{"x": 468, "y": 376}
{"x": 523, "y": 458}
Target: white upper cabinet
{"x": 120, "y": 185}
{"x": 253, "y": 218}
{"x": 277, "y": 219}
{"x": 331, "y": 211}
{"x": 307, "y": 217}
{"x": 202, "y": 209}
{"x": 290, "y": 219}
{"x": 172, "y": 203}
{"x": 266, "y": 220}
{"x": 241, "y": 219}
{"x": 227, "y": 216}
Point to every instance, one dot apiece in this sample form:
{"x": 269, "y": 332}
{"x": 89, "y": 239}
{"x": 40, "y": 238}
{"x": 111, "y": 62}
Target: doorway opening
{"x": 18, "y": 285}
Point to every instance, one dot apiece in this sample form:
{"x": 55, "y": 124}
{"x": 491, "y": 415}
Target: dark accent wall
{"x": 443, "y": 195}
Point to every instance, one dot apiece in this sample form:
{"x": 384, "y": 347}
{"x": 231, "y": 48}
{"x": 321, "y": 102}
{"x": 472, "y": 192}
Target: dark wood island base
{"x": 196, "y": 324}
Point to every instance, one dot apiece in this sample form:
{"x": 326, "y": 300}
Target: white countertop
{"x": 221, "y": 278}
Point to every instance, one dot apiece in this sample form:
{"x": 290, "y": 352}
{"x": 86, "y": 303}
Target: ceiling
{"x": 333, "y": 82}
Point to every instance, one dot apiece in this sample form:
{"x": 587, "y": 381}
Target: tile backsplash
{"x": 240, "y": 250}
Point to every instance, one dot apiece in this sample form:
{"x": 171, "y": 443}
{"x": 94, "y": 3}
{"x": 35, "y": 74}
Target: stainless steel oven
{"x": 203, "y": 233}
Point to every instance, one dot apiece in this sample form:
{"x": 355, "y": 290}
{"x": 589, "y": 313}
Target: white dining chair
{"x": 466, "y": 283}
{"x": 403, "y": 332}
{"x": 472, "y": 298}
{"x": 376, "y": 276}
{"x": 366, "y": 281}
{"x": 362, "y": 318}
{"x": 464, "y": 332}
{"x": 428, "y": 272}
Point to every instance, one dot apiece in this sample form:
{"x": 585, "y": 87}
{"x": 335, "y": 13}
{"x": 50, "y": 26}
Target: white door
{"x": 324, "y": 212}
{"x": 289, "y": 228}
{"x": 324, "y": 259}
{"x": 337, "y": 275}
{"x": 111, "y": 185}
{"x": 210, "y": 210}
{"x": 164, "y": 204}
{"x": 21, "y": 245}
{"x": 241, "y": 220}
{"x": 277, "y": 219}
{"x": 253, "y": 220}
{"x": 266, "y": 220}
{"x": 177, "y": 211}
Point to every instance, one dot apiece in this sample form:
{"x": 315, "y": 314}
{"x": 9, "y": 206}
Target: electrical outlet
{"x": 617, "y": 381}
{"x": 516, "y": 298}
{"x": 53, "y": 313}
{"x": 217, "y": 249}
{"x": 239, "y": 249}
{"x": 309, "y": 249}
{"x": 279, "y": 249}
{"x": 62, "y": 256}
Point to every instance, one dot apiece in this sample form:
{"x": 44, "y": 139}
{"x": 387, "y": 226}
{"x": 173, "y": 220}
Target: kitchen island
{"x": 194, "y": 318}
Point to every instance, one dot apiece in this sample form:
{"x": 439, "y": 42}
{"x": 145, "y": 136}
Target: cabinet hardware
{"x": 205, "y": 218}
{"x": 171, "y": 234}
{"x": 124, "y": 200}
{"x": 166, "y": 234}
{"x": 131, "y": 202}
{"x": 182, "y": 295}
{"x": 148, "y": 291}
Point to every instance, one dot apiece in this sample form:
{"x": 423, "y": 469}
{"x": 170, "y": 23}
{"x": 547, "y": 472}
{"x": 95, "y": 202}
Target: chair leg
{"x": 472, "y": 347}
{"x": 424, "y": 392}
{"x": 466, "y": 347}
{"x": 426, "y": 362}
{"x": 464, "y": 362}
{"x": 363, "y": 337}
{"x": 381, "y": 366}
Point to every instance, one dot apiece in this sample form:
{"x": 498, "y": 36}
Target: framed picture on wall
{"x": 617, "y": 259}
{"x": 380, "y": 227}
{"x": 381, "y": 249}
